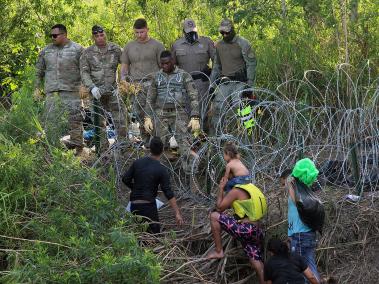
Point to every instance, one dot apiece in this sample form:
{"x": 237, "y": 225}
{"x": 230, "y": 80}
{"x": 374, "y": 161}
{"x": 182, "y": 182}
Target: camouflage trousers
{"x": 139, "y": 107}
{"x": 226, "y": 95}
{"x": 113, "y": 104}
{"x": 204, "y": 104}
{"x": 59, "y": 106}
{"x": 173, "y": 122}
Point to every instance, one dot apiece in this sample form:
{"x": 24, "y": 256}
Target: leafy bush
{"x": 59, "y": 221}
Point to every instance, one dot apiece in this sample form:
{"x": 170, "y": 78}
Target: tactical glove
{"x": 148, "y": 124}
{"x": 194, "y": 124}
{"x": 96, "y": 93}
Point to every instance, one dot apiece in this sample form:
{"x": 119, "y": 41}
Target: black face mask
{"x": 230, "y": 36}
{"x": 191, "y": 37}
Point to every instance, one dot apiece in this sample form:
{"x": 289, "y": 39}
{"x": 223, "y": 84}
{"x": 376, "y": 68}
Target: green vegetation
{"x": 60, "y": 222}
{"x": 289, "y": 36}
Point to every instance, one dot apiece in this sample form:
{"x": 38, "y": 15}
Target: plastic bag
{"x": 310, "y": 208}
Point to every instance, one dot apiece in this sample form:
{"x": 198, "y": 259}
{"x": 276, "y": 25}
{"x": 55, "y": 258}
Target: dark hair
{"x": 231, "y": 150}
{"x": 285, "y": 173}
{"x": 278, "y": 247}
{"x": 165, "y": 54}
{"x": 156, "y": 146}
{"x": 61, "y": 28}
{"x": 140, "y": 24}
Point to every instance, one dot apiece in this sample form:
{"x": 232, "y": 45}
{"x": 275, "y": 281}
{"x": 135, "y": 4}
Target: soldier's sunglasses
{"x": 55, "y": 35}
{"x": 224, "y": 33}
{"x": 97, "y": 32}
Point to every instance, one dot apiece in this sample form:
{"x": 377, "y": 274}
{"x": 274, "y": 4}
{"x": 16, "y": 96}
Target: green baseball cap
{"x": 306, "y": 171}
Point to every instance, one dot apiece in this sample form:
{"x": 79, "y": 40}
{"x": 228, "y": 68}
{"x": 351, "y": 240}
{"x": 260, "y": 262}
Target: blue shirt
{"x": 295, "y": 225}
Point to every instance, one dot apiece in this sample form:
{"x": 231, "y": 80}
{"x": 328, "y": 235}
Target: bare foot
{"x": 215, "y": 254}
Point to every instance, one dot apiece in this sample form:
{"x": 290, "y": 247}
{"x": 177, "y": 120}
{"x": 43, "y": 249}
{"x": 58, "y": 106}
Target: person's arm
{"x": 85, "y": 72}
{"x": 310, "y": 276}
{"x": 151, "y": 98}
{"x": 125, "y": 62}
{"x": 166, "y": 188}
{"x": 40, "y": 70}
{"x": 124, "y": 71}
{"x": 290, "y": 185}
{"x": 127, "y": 179}
{"x": 227, "y": 172}
{"x": 178, "y": 215}
{"x": 267, "y": 272}
{"x": 250, "y": 61}
{"x": 216, "y": 70}
{"x": 192, "y": 93}
{"x": 211, "y": 50}
{"x": 224, "y": 202}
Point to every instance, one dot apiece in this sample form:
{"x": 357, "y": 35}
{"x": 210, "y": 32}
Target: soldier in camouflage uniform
{"x": 58, "y": 68}
{"x": 173, "y": 102}
{"x": 98, "y": 67}
{"x": 140, "y": 60}
{"x": 193, "y": 53}
{"x": 235, "y": 65}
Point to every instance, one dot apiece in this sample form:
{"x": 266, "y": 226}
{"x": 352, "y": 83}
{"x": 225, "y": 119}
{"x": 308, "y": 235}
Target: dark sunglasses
{"x": 54, "y": 35}
{"x": 97, "y": 32}
{"x": 224, "y": 33}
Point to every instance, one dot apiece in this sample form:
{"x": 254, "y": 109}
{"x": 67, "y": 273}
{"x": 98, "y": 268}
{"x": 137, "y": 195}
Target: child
{"x": 284, "y": 267}
{"x": 235, "y": 171}
{"x": 302, "y": 236}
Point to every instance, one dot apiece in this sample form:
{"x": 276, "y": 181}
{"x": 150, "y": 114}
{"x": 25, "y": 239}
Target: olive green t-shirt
{"x": 142, "y": 58}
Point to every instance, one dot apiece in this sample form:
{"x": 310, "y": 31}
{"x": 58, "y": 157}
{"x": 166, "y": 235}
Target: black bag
{"x": 310, "y": 208}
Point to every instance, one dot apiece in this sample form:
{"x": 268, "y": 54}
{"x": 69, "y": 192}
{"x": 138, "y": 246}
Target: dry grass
{"x": 348, "y": 249}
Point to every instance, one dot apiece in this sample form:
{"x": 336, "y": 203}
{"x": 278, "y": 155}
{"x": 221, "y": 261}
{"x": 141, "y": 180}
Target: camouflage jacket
{"x": 170, "y": 82}
{"x": 99, "y": 68}
{"x": 58, "y": 67}
{"x": 246, "y": 57}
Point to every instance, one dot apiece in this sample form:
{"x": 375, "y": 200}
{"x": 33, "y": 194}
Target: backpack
{"x": 310, "y": 208}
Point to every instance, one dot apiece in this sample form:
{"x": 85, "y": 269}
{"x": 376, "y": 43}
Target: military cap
{"x": 97, "y": 29}
{"x": 225, "y": 26}
{"x": 189, "y": 26}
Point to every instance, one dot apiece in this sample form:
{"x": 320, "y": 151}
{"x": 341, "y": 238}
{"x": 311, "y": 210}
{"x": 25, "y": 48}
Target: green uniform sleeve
{"x": 250, "y": 60}
{"x": 192, "y": 94}
{"x": 211, "y": 50}
{"x": 85, "y": 71}
{"x": 151, "y": 98}
{"x": 216, "y": 71}
{"x": 40, "y": 70}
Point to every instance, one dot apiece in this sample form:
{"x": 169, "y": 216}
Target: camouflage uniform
{"x": 235, "y": 60}
{"x": 172, "y": 100}
{"x": 194, "y": 59}
{"x": 98, "y": 68}
{"x": 58, "y": 68}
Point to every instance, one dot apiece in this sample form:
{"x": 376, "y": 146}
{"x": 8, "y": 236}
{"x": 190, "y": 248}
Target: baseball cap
{"x": 97, "y": 29}
{"x": 225, "y": 26}
{"x": 189, "y": 26}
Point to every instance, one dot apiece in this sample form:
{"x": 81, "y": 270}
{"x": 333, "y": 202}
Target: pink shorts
{"x": 250, "y": 235}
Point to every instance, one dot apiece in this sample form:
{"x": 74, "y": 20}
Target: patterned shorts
{"x": 250, "y": 235}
